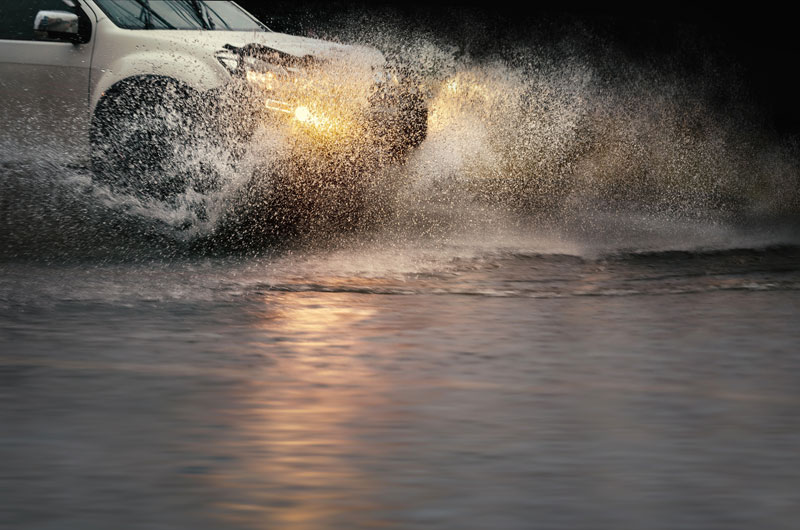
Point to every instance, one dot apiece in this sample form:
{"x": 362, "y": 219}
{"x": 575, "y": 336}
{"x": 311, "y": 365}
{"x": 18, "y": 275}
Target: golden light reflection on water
{"x": 301, "y": 434}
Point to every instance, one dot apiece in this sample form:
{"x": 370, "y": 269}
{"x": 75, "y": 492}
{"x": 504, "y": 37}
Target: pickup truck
{"x": 134, "y": 84}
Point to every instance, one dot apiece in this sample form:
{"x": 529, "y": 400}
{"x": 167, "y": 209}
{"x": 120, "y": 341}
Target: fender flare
{"x": 185, "y": 70}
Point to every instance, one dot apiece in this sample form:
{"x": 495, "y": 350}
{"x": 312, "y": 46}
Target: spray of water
{"x": 535, "y": 144}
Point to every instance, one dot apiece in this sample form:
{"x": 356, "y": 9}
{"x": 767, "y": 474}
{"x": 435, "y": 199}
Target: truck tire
{"x": 140, "y": 133}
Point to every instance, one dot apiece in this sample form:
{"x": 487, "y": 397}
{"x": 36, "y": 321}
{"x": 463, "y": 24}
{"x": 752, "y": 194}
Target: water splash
{"x": 545, "y": 143}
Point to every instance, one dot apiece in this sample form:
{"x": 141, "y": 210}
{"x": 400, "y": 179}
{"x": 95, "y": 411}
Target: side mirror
{"x": 57, "y": 25}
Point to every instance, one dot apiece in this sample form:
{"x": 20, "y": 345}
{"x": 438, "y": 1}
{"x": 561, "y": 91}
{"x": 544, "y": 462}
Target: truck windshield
{"x": 179, "y": 14}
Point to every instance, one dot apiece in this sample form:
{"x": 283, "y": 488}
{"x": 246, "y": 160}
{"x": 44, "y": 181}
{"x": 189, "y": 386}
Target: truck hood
{"x": 214, "y": 41}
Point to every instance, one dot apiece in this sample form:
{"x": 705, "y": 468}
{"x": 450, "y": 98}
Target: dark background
{"x": 750, "y": 51}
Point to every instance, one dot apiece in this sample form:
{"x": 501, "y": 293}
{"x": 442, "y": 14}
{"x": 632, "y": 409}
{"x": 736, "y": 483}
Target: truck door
{"x": 44, "y": 83}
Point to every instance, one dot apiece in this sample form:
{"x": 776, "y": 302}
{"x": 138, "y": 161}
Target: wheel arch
{"x": 185, "y": 70}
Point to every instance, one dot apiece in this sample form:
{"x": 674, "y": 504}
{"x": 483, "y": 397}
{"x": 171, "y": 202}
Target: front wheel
{"x": 143, "y": 135}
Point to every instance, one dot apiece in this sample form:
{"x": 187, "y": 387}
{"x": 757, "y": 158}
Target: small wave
{"x": 743, "y": 285}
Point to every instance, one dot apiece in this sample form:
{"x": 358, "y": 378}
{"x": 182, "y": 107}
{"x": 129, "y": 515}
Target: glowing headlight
{"x": 304, "y": 115}
{"x": 263, "y": 75}
{"x": 265, "y": 79}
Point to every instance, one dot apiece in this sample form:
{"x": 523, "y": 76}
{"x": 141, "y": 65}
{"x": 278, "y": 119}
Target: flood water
{"x": 350, "y": 389}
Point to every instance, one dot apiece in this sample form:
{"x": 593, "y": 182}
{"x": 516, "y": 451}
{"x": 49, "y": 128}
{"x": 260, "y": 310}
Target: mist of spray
{"x": 542, "y": 140}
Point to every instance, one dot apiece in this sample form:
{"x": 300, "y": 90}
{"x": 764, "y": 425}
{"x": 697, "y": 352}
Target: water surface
{"x": 345, "y": 389}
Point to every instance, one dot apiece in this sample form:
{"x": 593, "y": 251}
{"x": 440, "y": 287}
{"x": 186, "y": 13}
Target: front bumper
{"x": 387, "y": 119}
